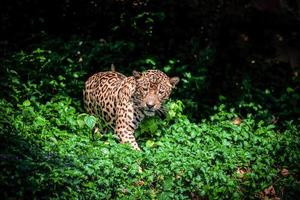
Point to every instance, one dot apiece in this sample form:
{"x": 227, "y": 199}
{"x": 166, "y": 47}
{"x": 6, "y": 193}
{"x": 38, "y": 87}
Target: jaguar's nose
{"x": 150, "y": 105}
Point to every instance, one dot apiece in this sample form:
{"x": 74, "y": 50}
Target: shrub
{"x": 49, "y": 153}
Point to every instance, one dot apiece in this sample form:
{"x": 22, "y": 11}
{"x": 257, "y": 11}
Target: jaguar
{"x": 123, "y": 102}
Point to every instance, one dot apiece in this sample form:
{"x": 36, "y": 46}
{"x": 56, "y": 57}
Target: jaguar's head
{"x": 153, "y": 88}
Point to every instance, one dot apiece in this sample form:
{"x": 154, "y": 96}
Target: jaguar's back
{"x": 100, "y": 94}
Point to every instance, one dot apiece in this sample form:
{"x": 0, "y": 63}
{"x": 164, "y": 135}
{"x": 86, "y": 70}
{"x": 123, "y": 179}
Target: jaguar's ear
{"x": 174, "y": 81}
{"x": 136, "y": 74}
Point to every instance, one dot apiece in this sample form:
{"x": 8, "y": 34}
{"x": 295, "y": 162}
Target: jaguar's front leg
{"x": 126, "y": 125}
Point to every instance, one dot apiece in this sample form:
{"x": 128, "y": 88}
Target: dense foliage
{"x": 232, "y": 126}
{"x": 49, "y": 150}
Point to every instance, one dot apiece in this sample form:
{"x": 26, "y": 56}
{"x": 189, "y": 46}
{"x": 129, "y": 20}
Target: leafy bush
{"x": 49, "y": 153}
{"x": 49, "y": 150}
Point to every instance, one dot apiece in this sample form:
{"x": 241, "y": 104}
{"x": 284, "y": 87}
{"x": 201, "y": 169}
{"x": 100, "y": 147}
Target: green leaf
{"x": 26, "y": 103}
{"x": 290, "y": 90}
{"x": 150, "y": 61}
{"x": 150, "y": 143}
{"x": 90, "y": 121}
{"x": 168, "y": 183}
{"x": 40, "y": 121}
{"x": 70, "y": 60}
{"x": 164, "y": 195}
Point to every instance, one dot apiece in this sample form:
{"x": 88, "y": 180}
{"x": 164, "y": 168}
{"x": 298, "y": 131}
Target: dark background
{"x": 224, "y": 51}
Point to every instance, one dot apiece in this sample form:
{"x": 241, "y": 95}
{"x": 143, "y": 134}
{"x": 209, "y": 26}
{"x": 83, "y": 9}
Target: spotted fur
{"x": 123, "y": 101}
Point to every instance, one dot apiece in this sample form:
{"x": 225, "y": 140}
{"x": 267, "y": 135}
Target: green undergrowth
{"x": 49, "y": 151}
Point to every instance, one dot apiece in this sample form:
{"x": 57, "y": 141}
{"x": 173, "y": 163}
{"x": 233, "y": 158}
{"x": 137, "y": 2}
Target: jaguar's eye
{"x": 160, "y": 92}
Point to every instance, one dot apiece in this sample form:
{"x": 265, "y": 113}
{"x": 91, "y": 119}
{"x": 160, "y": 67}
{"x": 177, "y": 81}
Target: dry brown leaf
{"x": 237, "y": 121}
{"x": 269, "y": 193}
{"x": 285, "y": 172}
{"x": 241, "y": 172}
{"x": 139, "y": 183}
